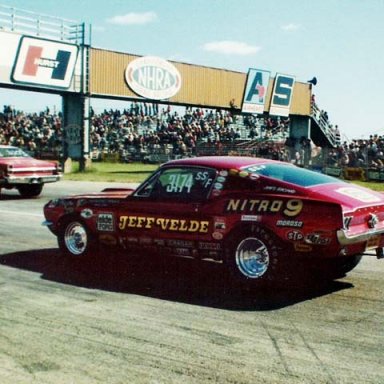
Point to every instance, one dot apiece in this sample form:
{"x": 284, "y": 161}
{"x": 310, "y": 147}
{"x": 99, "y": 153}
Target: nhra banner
{"x": 282, "y": 95}
{"x": 256, "y": 91}
{"x": 44, "y": 62}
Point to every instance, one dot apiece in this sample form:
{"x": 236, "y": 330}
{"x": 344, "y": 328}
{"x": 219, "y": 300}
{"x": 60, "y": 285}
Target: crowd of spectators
{"x": 34, "y": 132}
{"x": 266, "y": 127}
{"x": 144, "y": 128}
{"x": 141, "y": 128}
{"x": 367, "y": 153}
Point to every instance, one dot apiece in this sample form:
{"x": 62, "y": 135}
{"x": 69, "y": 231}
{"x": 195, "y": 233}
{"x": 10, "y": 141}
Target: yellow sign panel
{"x": 200, "y": 86}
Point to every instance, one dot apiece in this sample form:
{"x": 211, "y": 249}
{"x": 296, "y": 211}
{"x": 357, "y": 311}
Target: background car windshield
{"x": 12, "y": 152}
{"x": 292, "y": 174}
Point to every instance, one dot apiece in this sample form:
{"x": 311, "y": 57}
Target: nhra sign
{"x": 153, "y": 78}
{"x": 256, "y": 91}
{"x": 282, "y": 95}
{"x": 44, "y": 62}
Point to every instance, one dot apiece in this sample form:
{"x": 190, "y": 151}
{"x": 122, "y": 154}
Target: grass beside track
{"x": 376, "y": 186}
{"x": 138, "y": 172}
{"x": 101, "y": 171}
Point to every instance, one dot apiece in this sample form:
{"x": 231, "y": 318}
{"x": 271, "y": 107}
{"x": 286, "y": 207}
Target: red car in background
{"x": 21, "y": 171}
{"x": 258, "y": 217}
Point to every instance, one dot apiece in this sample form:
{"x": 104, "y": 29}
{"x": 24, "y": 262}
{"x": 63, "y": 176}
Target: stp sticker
{"x": 295, "y": 235}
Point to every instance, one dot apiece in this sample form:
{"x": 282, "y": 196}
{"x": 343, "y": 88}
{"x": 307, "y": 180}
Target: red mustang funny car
{"x": 259, "y": 217}
{"x": 23, "y": 172}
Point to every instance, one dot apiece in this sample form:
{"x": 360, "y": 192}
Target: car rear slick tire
{"x": 253, "y": 256}
{"x": 338, "y": 267}
{"x": 75, "y": 240}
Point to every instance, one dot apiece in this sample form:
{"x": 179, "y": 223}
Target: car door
{"x": 166, "y": 211}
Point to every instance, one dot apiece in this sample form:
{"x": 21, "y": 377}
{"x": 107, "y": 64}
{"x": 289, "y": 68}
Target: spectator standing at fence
{"x": 361, "y": 156}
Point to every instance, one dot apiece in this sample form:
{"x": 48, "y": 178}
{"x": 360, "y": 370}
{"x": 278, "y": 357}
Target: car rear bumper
{"x": 346, "y": 239}
{"x": 33, "y": 179}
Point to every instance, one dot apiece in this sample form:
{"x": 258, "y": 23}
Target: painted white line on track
{"x": 18, "y": 213}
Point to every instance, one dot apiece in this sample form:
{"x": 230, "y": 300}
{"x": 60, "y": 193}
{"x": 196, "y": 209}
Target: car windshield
{"x": 12, "y": 152}
{"x": 292, "y": 174}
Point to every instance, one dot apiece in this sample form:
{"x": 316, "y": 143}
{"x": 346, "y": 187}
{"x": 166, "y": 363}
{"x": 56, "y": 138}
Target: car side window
{"x": 181, "y": 183}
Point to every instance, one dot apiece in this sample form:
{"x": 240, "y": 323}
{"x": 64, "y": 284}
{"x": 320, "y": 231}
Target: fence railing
{"x": 324, "y": 125}
{"x": 31, "y": 23}
{"x": 325, "y": 162}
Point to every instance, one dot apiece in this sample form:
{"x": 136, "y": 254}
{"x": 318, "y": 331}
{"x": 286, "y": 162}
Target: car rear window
{"x": 12, "y": 152}
{"x": 292, "y": 174}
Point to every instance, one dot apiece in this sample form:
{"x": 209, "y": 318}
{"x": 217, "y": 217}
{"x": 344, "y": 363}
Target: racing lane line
{"x": 277, "y": 349}
{"x": 313, "y": 353}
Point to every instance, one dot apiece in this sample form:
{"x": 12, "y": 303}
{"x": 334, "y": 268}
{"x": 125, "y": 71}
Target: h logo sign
{"x": 35, "y": 60}
{"x": 45, "y": 62}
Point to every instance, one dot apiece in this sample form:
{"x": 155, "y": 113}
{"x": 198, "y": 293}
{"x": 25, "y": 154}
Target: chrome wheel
{"x": 252, "y": 257}
{"x": 76, "y": 238}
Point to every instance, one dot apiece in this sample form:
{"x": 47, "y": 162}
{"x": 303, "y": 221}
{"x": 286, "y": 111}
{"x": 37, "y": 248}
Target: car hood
{"x": 107, "y": 198}
{"x": 349, "y": 196}
{"x": 108, "y": 193}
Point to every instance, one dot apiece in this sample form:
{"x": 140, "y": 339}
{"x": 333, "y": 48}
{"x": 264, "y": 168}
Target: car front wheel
{"x": 74, "y": 239}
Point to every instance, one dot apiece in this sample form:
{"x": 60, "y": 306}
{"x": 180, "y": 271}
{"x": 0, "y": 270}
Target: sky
{"x": 341, "y": 42}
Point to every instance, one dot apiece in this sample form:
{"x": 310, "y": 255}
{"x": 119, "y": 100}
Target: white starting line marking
{"x": 22, "y": 213}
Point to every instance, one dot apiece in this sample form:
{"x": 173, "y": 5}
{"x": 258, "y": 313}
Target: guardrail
{"x": 31, "y": 23}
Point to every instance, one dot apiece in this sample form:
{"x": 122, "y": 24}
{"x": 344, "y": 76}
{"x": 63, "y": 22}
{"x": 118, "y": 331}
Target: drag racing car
{"x": 258, "y": 217}
{"x": 18, "y": 170}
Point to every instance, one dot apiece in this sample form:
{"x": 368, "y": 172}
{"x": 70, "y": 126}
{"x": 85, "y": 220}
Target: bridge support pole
{"x": 76, "y": 128}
